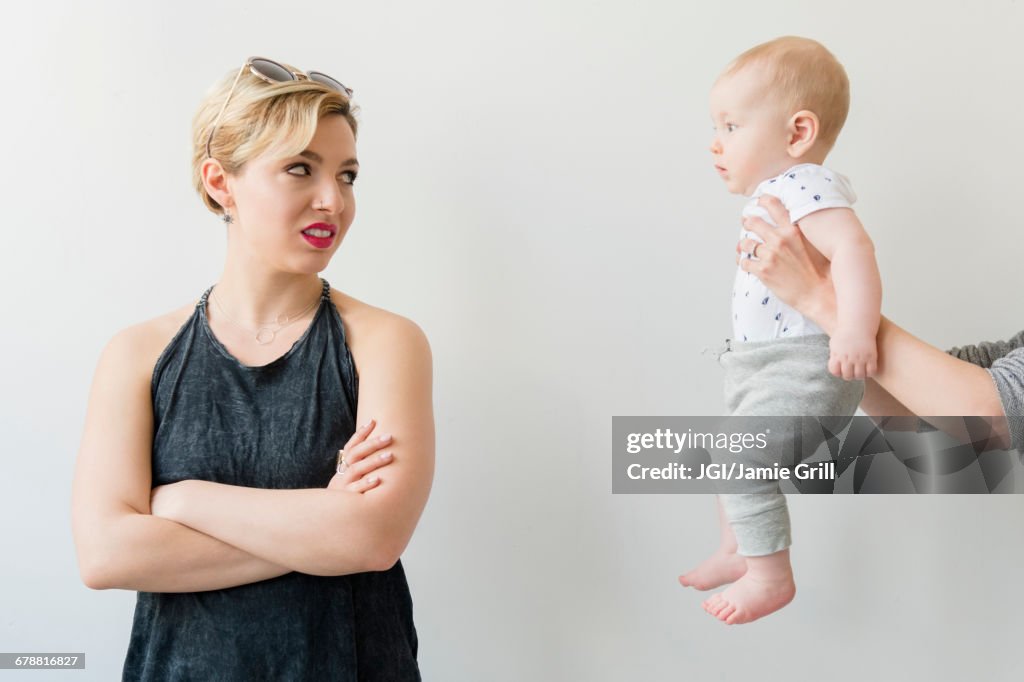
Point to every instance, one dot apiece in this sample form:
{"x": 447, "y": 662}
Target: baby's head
{"x": 778, "y": 104}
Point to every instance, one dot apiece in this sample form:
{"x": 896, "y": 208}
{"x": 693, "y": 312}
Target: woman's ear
{"x": 216, "y": 182}
{"x": 803, "y": 133}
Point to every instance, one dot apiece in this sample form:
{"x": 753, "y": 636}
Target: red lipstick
{"x": 320, "y": 240}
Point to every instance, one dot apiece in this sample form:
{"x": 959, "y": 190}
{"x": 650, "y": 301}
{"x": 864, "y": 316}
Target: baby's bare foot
{"x": 766, "y": 587}
{"x": 718, "y": 569}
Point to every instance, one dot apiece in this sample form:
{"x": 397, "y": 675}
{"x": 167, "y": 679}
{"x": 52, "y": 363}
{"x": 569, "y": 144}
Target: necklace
{"x": 264, "y": 334}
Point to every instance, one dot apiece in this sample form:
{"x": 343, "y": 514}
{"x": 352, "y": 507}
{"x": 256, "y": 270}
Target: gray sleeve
{"x": 987, "y": 352}
{"x": 1008, "y": 373}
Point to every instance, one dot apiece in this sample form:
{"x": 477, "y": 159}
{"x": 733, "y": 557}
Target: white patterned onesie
{"x": 757, "y": 314}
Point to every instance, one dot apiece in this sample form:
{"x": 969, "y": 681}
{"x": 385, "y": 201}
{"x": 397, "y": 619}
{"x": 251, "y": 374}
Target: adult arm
{"x": 921, "y": 377}
{"x": 878, "y": 401}
{"x": 118, "y": 543}
{"x": 334, "y": 532}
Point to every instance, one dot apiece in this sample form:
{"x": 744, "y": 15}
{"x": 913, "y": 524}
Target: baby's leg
{"x": 766, "y": 587}
{"x": 783, "y": 377}
{"x": 723, "y": 566}
{"x": 761, "y": 524}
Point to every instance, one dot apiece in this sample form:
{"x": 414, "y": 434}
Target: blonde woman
{"x": 221, "y": 472}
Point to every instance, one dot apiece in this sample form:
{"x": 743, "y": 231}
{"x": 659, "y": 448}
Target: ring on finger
{"x": 753, "y": 251}
{"x": 342, "y": 464}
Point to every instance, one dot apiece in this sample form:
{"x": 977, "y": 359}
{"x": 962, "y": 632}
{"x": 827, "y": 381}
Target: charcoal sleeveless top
{"x": 279, "y": 426}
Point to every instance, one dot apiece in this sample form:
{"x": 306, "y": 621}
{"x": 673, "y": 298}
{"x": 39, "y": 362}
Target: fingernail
{"x": 370, "y": 421}
{"x": 385, "y": 455}
{"x": 371, "y": 480}
{"x": 386, "y": 437}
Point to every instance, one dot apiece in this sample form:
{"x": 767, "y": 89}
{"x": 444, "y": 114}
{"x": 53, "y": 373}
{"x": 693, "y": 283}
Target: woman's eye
{"x": 349, "y": 177}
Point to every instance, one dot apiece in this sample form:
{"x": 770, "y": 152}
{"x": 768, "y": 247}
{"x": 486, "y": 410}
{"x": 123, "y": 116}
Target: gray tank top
{"x": 280, "y": 426}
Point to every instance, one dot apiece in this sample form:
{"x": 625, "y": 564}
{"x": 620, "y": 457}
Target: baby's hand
{"x": 852, "y": 355}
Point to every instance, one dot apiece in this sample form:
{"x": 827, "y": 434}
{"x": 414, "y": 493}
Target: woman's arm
{"x": 878, "y": 401}
{"x": 151, "y": 554}
{"x": 929, "y": 381}
{"x": 118, "y": 544}
{"x": 334, "y": 532}
{"x": 924, "y": 379}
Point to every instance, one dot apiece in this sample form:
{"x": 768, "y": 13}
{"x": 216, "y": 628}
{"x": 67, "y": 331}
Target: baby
{"x": 777, "y": 111}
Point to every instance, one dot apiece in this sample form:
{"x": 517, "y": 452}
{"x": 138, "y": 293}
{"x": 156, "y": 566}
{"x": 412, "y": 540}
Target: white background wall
{"x": 537, "y": 194}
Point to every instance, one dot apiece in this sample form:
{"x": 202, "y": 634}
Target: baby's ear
{"x": 803, "y": 133}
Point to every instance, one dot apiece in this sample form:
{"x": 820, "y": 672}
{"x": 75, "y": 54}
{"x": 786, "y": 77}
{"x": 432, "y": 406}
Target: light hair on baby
{"x": 802, "y": 74}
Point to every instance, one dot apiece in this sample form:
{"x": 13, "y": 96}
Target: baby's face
{"x": 750, "y": 141}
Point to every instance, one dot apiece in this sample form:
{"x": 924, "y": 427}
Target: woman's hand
{"x": 361, "y": 458}
{"x": 789, "y": 265}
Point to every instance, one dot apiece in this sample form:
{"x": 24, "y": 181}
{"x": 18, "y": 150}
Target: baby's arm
{"x": 840, "y": 237}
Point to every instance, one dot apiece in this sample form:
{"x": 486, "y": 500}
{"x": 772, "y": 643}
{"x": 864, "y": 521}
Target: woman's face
{"x": 278, "y": 199}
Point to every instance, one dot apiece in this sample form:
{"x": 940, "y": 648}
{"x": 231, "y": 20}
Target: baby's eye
{"x": 730, "y": 127}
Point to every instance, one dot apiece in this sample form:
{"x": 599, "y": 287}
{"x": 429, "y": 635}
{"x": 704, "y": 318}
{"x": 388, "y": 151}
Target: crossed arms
{"x": 210, "y": 535}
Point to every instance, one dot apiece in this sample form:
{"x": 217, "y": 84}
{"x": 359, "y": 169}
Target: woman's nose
{"x": 332, "y": 201}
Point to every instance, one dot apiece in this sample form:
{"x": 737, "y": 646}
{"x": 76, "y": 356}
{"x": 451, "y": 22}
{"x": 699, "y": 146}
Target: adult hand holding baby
{"x": 787, "y": 263}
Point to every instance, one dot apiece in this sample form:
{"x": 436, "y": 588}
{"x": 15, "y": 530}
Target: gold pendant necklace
{"x": 264, "y": 334}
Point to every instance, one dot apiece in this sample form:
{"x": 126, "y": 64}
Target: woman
{"x": 912, "y": 377}
{"x": 207, "y": 476}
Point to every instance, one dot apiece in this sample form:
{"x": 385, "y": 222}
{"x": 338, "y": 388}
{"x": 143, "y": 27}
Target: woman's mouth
{"x": 319, "y": 235}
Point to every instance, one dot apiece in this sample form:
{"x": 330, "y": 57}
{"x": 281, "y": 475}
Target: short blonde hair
{"x": 802, "y": 74}
{"x": 261, "y": 117}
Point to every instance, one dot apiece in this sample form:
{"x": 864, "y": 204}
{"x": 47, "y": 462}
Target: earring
{"x": 227, "y": 217}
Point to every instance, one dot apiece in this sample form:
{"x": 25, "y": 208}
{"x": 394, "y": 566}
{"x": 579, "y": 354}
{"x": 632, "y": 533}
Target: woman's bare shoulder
{"x": 144, "y": 341}
{"x": 368, "y": 327}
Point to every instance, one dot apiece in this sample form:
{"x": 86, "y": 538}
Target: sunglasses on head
{"x": 272, "y": 72}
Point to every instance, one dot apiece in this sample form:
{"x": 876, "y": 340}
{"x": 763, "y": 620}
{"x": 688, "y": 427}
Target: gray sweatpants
{"x": 782, "y": 377}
